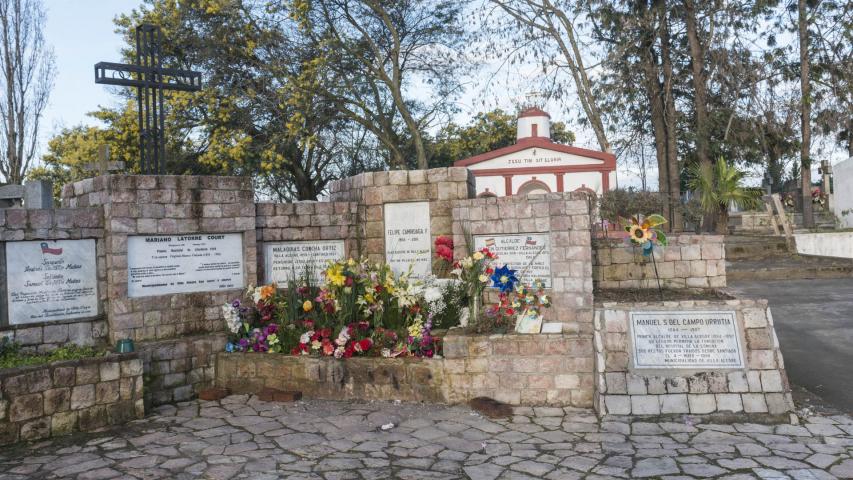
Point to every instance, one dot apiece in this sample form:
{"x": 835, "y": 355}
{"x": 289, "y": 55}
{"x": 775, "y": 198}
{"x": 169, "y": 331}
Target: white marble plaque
{"x": 51, "y": 280}
{"x": 284, "y": 261}
{"x": 202, "y": 262}
{"x": 529, "y": 254}
{"x": 407, "y": 238}
{"x": 685, "y": 340}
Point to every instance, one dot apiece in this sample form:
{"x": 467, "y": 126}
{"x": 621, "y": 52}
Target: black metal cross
{"x": 150, "y": 79}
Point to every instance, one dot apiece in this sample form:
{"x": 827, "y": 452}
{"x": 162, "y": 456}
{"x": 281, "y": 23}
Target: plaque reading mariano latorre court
{"x": 686, "y": 340}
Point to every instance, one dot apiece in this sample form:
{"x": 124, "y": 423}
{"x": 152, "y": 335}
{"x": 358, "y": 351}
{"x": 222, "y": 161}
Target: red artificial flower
{"x": 328, "y": 348}
{"x": 348, "y": 282}
{"x": 444, "y": 240}
{"x": 308, "y": 323}
{"x": 444, "y": 252}
{"x": 326, "y": 332}
{"x": 365, "y": 344}
{"x": 510, "y": 311}
{"x": 377, "y": 289}
{"x": 363, "y": 325}
{"x": 348, "y": 350}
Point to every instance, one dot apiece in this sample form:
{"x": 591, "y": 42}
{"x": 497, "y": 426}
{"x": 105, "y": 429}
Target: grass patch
{"x": 11, "y": 355}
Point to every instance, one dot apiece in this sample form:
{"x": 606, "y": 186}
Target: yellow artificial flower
{"x": 307, "y": 306}
{"x": 335, "y": 275}
{"x": 639, "y": 234}
{"x": 477, "y": 256}
{"x": 484, "y": 278}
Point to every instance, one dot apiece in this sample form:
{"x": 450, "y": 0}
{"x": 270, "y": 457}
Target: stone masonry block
{"x": 754, "y": 403}
{"x": 676, "y": 403}
{"x": 616, "y": 382}
{"x": 645, "y": 405}
{"x": 618, "y": 404}
{"x": 701, "y": 403}
{"x": 771, "y": 381}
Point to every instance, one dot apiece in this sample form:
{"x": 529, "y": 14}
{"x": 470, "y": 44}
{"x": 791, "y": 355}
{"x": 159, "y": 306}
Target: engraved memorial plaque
{"x": 285, "y": 261}
{"x": 529, "y": 254}
{"x": 407, "y": 238}
{"x": 51, "y": 280}
{"x": 685, "y": 340}
{"x": 200, "y": 262}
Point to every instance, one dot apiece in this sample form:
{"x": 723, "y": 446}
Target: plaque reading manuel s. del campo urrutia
{"x": 685, "y": 340}
{"x": 166, "y": 264}
{"x": 51, "y": 280}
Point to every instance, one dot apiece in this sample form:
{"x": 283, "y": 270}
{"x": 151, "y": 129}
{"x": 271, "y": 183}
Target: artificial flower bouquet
{"x": 360, "y": 308}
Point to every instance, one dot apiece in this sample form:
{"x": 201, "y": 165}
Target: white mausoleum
{"x": 535, "y": 164}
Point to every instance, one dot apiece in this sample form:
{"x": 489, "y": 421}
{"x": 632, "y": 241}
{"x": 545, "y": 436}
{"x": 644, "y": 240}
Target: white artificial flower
{"x": 386, "y": 352}
{"x": 306, "y": 337}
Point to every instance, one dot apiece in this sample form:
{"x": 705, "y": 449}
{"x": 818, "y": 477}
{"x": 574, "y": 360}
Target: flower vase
{"x": 474, "y": 310}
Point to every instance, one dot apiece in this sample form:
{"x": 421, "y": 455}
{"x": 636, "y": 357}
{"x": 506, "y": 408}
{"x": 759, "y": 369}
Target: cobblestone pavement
{"x": 242, "y": 437}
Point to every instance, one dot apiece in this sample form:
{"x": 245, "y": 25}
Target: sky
{"x": 82, "y": 34}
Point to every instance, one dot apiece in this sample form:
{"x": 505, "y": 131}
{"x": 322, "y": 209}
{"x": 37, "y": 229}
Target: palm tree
{"x": 718, "y": 186}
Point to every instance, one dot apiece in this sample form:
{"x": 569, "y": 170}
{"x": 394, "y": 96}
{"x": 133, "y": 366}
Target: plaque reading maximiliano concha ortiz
{"x": 686, "y": 340}
{"x": 285, "y": 261}
{"x": 407, "y": 238}
{"x": 51, "y": 280}
{"x": 529, "y": 254}
{"x": 165, "y": 264}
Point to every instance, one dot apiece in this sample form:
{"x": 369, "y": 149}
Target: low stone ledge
{"x": 42, "y": 401}
{"x": 514, "y": 369}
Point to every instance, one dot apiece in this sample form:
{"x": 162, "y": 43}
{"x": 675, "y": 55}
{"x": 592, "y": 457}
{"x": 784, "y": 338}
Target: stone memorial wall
{"x": 52, "y": 277}
{"x": 294, "y": 236}
{"x": 169, "y": 251}
{"x": 374, "y": 191}
{"x": 689, "y": 261}
{"x": 164, "y": 235}
{"x": 555, "y": 225}
{"x": 689, "y": 357}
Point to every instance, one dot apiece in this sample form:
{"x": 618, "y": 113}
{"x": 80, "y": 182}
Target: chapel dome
{"x": 533, "y": 122}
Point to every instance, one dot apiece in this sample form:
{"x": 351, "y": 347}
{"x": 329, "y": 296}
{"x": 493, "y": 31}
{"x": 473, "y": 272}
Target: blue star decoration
{"x": 504, "y": 279}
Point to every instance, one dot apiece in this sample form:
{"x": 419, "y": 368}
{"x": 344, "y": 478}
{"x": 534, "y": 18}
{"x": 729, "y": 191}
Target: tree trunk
{"x": 674, "y": 174}
{"x": 805, "y": 116}
{"x": 700, "y": 96}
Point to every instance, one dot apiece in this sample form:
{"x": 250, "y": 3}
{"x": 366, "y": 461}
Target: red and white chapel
{"x": 535, "y": 164}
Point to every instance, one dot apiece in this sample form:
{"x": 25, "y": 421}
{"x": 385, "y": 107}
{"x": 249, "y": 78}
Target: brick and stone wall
{"x": 520, "y": 369}
{"x": 565, "y": 217}
{"x": 166, "y": 205}
{"x": 305, "y": 221}
{"x": 441, "y": 187}
{"x": 689, "y": 261}
{"x": 408, "y": 379}
{"x": 63, "y": 397}
{"x": 18, "y": 224}
{"x": 177, "y": 369}
{"x": 516, "y": 369}
{"x": 759, "y": 389}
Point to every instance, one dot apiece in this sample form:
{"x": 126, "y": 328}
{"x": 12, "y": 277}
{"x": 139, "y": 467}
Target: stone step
{"x": 788, "y": 267}
{"x": 751, "y": 247}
